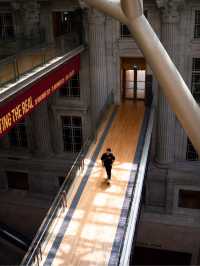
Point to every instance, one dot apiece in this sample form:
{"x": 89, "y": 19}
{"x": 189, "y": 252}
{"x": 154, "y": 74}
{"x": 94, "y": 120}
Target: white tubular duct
{"x": 176, "y": 91}
{"x": 109, "y": 7}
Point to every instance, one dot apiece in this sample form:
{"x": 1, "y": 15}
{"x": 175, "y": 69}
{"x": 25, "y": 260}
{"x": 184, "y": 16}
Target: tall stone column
{"x": 30, "y": 12}
{"x": 165, "y": 151}
{"x": 55, "y": 124}
{"x": 15, "y": 5}
{"x": 98, "y": 64}
{"x": 109, "y": 56}
{"x": 41, "y": 129}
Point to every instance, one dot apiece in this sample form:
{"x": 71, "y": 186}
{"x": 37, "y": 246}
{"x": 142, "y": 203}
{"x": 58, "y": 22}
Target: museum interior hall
{"x": 85, "y": 80}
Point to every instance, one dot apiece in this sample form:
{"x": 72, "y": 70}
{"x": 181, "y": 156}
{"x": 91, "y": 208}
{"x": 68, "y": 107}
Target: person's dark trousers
{"x": 108, "y": 171}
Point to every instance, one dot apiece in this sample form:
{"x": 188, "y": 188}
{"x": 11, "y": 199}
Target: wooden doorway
{"x": 62, "y": 23}
{"x": 133, "y": 78}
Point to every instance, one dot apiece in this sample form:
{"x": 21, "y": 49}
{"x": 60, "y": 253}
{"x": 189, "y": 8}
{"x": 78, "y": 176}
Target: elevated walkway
{"x": 24, "y": 63}
{"x": 31, "y": 66}
{"x": 92, "y": 228}
{"x": 20, "y": 97}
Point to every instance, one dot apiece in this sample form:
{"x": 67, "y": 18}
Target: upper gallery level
{"x": 32, "y": 33}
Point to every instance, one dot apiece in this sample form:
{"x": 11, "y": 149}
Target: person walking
{"x": 107, "y": 159}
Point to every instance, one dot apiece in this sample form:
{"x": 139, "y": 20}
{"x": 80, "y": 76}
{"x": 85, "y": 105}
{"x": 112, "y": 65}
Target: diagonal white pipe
{"x": 110, "y": 7}
{"x": 130, "y": 12}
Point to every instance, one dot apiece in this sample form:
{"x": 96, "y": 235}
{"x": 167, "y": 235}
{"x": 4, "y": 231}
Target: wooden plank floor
{"x": 90, "y": 234}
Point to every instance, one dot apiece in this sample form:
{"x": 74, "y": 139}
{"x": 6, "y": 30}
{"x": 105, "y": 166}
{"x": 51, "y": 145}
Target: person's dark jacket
{"x": 107, "y": 159}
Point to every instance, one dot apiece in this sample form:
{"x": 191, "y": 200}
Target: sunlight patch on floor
{"x": 73, "y": 228}
{"x": 107, "y": 200}
{"x": 104, "y": 218}
{"x": 78, "y": 214}
{"x": 98, "y": 232}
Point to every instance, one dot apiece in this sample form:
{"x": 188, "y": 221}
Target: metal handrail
{"x": 133, "y": 212}
{"x": 35, "y": 45}
{"x": 60, "y": 202}
{"x": 22, "y": 42}
{"x": 46, "y": 52}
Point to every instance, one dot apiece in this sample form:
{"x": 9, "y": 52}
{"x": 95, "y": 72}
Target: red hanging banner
{"x": 14, "y": 110}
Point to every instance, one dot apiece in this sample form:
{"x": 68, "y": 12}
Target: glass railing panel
{"x": 37, "y": 58}
{"x": 45, "y": 232}
{"x": 7, "y": 72}
{"x": 29, "y": 61}
{"x": 50, "y": 53}
{"x": 12, "y": 68}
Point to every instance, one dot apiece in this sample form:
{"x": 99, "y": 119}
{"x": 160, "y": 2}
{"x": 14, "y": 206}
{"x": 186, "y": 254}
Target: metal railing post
{"x": 38, "y": 263}
{"x": 43, "y": 56}
{"x": 64, "y": 198}
{"x": 40, "y": 252}
{"x": 16, "y": 68}
{"x": 35, "y": 250}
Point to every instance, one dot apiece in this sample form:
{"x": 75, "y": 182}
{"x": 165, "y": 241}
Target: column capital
{"x": 15, "y": 5}
{"x": 170, "y": 10}
{"x": 96, "y": 17}
{"x": 30, "y": 12}
{"x": 82, "y": 4}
